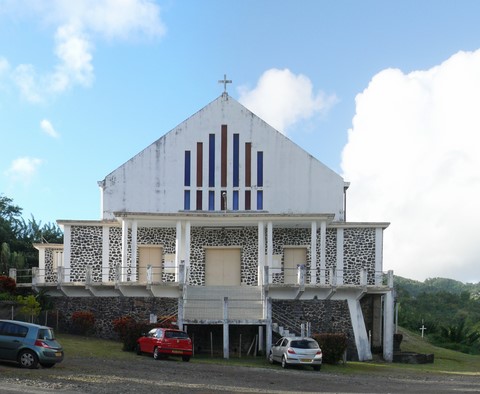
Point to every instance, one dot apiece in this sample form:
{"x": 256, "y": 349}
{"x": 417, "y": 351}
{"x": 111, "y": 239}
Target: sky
{"x": 385, "y": 93}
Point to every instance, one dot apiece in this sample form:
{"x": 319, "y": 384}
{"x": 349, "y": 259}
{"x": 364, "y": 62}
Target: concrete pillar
{"x": 133, "y": 262}
{"x": 180, "y": 314}
{"x": 339, "y": 270}
{"x": 179, "y": 248}
{"x": 261, "y": 252}
{"x": 388, "y": 326}
{"x": 261, "y": 344}
{"x": 378, "y": 256}
{"x": 226, "y": 343}
{"x": 268, "y": 328}
{"x": 323, "y": 244}
{"x": 67, "y": 251}
{"x": 269, "y": 244}
{"x": 123, "y": 266}
{"x": 105, "y": 253}
{"x": 187, "y": 244}
{"x": 313, "y": 253}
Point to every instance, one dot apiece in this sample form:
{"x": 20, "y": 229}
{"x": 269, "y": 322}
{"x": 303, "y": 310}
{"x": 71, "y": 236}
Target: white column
{"x": 41, "y": 266}
{"x": 269, "y": 244}
{"x": 67, "y": 252}
{"x": 313, "y": 253}
{"x": 187, "y": 244}
{"x": 123, "y": 266}
{"x": 388, "y": 326}
{"x": 323, "y": 248}
{"x": 339, "y": 270}
{"x": 261, "y": 251}
{"x": 133, "y": 252}
{"x": 105, "y": 253}
{"x": 378, "y": 255}
{"x": 178, "y": 248}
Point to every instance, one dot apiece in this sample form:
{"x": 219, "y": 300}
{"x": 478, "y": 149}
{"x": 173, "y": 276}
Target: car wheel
{"x": 284, "y": 362}
{"x": 317, "y": 367}
{"x": 156, "y": 354}
{"x": 270, "y": 358}
{"x": 28, "y": 359}
{"x": 186, "y": 358}
{"x": 47, "y": 365}
{"x": 137, "y": 349}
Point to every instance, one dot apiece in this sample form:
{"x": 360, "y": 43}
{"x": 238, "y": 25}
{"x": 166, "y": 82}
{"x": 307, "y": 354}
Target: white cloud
{"x": 4, "y": 66}
{"x": 412, "y": 159}
{"x": 23, "y": 169}
{"x": 47, "y": 127}
{"x": 282, "y": 98}
{"x": 78, "y": 24}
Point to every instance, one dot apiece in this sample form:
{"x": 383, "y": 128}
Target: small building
{"x": 226, "y": 224}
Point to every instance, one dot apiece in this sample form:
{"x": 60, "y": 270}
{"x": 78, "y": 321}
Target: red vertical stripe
{"x": 248, "y": 164}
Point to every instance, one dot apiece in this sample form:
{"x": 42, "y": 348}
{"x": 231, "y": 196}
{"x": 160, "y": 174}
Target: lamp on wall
{"x": 224, "y": 197}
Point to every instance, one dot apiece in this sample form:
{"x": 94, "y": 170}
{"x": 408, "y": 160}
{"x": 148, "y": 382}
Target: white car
{"x": 296, "y": 351}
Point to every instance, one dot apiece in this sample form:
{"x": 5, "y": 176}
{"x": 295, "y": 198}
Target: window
{"x": 259, "y": 200}
{"x": 259, "y": 169}
{"x": 211, "y": 160}
{"x": 236, "y": 159}
{"x": 235, "y": 200}
{"x": 187, "y": 168}
{"x": 186, "y": 200}
{"x": 211, "y": 200}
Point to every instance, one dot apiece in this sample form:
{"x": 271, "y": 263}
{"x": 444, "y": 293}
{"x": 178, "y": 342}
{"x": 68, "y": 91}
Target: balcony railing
{"x": 153, "y": 275}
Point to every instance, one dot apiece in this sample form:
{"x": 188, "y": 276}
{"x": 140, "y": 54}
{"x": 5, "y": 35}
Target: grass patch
{"x": 446, "y": 361}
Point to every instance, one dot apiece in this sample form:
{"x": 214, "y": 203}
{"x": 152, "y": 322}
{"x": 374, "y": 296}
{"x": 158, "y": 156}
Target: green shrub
{"x": 333, "y": 346}
{"x": 83, "y": 322}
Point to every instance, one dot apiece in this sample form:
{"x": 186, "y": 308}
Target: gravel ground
{"x": 142, "y": 374}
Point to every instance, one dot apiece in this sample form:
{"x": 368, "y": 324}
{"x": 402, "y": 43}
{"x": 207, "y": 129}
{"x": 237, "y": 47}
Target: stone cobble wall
{"x": 50, "y": 272}
{"x": 359, "y": 252}
{"x": 85, "y": 250}
{"x": 107, "y": 309}
{"x": 325, "y": 316}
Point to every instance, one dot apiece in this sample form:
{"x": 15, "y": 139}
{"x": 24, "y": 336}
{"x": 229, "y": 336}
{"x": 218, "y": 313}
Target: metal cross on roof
{"x": 225, "y": 81}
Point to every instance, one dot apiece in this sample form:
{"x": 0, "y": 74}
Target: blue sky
{"x": 86, "y": 85}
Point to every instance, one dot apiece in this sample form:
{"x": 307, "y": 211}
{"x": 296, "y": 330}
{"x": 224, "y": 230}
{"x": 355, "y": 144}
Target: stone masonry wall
{"x": 325, "y": 316}
{"x": 107, "y": 309}
{"x": 86, "y": 250}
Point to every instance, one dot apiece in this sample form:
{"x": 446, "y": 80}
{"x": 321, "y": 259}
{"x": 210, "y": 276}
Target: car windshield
{"x": 46, "y": 333}
{"x": 304, "y": 344}
{"x": 176, "y": 334}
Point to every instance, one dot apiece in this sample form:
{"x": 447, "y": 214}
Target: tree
{"x": 30, "y": 306}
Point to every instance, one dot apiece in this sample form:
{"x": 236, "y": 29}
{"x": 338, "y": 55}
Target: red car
{"x": 165, "y": 342}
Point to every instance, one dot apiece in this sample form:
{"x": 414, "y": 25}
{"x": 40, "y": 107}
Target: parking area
{"x": 142, "y": 374}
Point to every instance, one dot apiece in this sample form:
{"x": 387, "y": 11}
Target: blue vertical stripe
{"x": 259, "y": 200}
{"x": 260, "y": 169}
{"x": 236, "y": 159}
{"x": 211, "y": 160}
{"x": 187, "y": 168}
{"x": 186, "y": 200}
{"x": 211, "y": 200}
{"x": 235, "y": 200}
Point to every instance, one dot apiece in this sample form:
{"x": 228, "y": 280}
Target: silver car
{"x": 296, "y": 351}
{"x": 29, "y": 344}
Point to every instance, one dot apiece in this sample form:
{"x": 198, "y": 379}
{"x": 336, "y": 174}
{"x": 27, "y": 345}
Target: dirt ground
{"x": 142, "y": 374}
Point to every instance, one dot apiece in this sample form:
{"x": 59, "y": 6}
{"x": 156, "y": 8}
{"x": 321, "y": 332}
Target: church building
{"x": 230, "y": 227}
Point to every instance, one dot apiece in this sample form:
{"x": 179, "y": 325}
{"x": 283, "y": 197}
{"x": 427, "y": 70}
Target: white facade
{"x": 153, "y": 180}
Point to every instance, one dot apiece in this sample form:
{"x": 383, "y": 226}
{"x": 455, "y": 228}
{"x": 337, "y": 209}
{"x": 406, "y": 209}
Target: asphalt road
{"x": 142, "y": 374}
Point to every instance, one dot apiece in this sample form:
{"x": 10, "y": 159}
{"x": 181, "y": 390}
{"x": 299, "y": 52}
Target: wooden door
{"x": 150, "y": 255}
{"x": 222, "y": 267}
{"x": 291, "y": 258}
